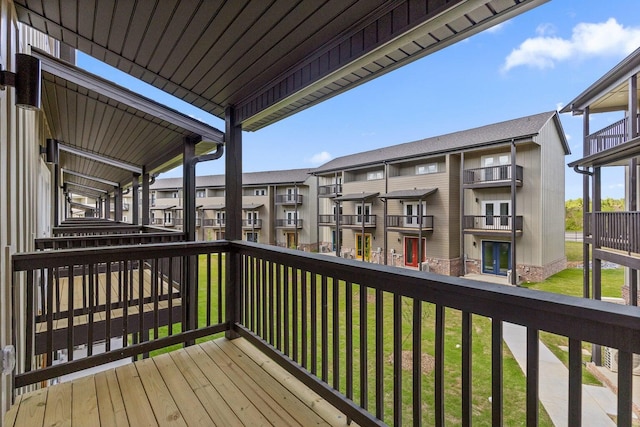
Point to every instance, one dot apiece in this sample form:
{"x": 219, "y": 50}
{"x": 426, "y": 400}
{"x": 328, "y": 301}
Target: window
{"x": 124, "y": 218}
{"x": 426, "y": 168}
{"x": 373, "y": 175}
{"x": 252, "y": 218}
{"x": 174, "y": 194}
{"x": 167, "y": 217}
{"x": 259, "y": 192}
{"x": 496, "y": 214}
{"x": 412, "y": 214}
{"x": 367, "y": 214}
{"x": 201, "y": 193}
{"x": 220, "y": 217}
{"x": 291, "y": 194}
{"x": 252, "y": 237}
{"x": 496, "y": 167}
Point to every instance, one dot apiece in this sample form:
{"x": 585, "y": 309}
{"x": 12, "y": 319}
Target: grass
{"x": 568, "y": 282}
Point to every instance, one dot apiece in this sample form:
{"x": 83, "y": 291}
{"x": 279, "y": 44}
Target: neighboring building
{"x": 278, "y": 207}
{"x": 611, "y": 236}
{"x": 473, "y": 207}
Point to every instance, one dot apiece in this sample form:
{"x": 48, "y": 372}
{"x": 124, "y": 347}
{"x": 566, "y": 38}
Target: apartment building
{"x": 475, "y": 201}
{"x": 611, "y": 236}
{"x": 278, "y": 207}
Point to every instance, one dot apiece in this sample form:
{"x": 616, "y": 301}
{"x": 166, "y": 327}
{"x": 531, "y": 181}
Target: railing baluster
{"x": 141, "y": 298}
{"x": 335, "y": 287}
{"x": 51, "y": 278}
{"x": 295, "y": 314}
{"x": 575, "y": 383}
{"x": 349, "y": 339}
{"x": 169, "y": 264}
{"x": 285, "y": 313}
{"x": 107, "y": 298}
{"x": 324, "y": 347}
{"x": 496, "y": 372}
{"x": 379, "y": 347}
{"x": 70, "y": 309}
{"x": 467, "y": 369}
{"x": 125, "y": 302}
{"x": 533, "y": 364}
{"x": 304, "y": 314}
{"x": 279, "y": 314}
{"x": 209, "y": 297}
{"x": 220, "y": 287}
{"x": 30, "y": 320}
{"x": 314, "y": 325}
{"x": 91, "y": 284}
{"x": 397, "y": 360}
{"x": 417, "y": 362}
{"x": 439, "y": 366}
{"x": 364, "y": 377}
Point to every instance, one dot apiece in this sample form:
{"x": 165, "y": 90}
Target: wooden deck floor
{"x": 217, "y": 383}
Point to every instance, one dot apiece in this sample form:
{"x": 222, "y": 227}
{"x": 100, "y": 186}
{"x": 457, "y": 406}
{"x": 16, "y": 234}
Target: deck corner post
{"x": 188, "y": 213}
{"x": 233, "y": 224}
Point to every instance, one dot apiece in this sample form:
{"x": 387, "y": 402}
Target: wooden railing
{"x": 611, "y": 136}
{"x": 617, "y": 230}
{"x": 491, "y": 222}
{"x": 289, "y": 223}
{"x": 88, "y": 241}
{"x": 491, "y": 174}
{"x": 356, "y": 220}
{"x": 214, "y": 222}
{"x": 343, "y": 327}
{"x": 410, "y": 221}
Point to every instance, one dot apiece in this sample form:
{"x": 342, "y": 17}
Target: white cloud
{"x": 320, "y": 158}
{"x": 587, "y": 40}
{"x": 496, "y": 28}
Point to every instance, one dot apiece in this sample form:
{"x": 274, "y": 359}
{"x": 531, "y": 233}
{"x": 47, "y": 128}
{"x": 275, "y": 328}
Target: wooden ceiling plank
{"x": 140, "y": 22}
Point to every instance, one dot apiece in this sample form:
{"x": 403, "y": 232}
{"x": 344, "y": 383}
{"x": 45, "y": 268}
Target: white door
{"x": 496, "y": 215}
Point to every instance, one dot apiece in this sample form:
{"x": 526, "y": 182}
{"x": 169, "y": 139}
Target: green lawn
{"x": 567, "y": 282}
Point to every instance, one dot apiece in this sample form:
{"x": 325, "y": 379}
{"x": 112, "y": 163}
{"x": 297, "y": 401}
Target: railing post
{"x": 233, "y": 224}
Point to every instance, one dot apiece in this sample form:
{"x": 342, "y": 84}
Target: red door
{"x": 411, "y": 251}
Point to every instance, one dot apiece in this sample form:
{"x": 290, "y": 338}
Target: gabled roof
{"x": 518, "y": 129}
{"x": 284, "y": 177}
{"x": 356, "y": 197}
{"x": 269, "y": 59}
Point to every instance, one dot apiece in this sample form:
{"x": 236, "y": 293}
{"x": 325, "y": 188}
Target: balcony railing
{"x": 214, "y": 222}
{"x": 492, "y": 176}
{"x": 332, "y": 323}
{"x": 488, "y": 223}
{"x": 327, "y": 219}
{"x": 611, "y": 136}
{"x": 146, "y": 237}
{"x": 288, "y": 199}
{"x": 356, "y": 220}
{"x": 288, "y": 223}
{"x": 617, "y": 230}
{"x": 410, "y": 221}
{"x": 252, "y": 223}
{"x": 329, "y": 190}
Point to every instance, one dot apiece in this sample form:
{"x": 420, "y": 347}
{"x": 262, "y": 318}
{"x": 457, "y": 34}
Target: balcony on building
{"x": 492, "y": 225}
{"x": 613, "y": 138}
{"x": 491, "y": 177}
{"x": 412, "y": 222}
{"x": 289, "y": 199}
{"x": 252, "y": 223}
{"x": 330, "y": 190}
{"x": 289, "y": 223}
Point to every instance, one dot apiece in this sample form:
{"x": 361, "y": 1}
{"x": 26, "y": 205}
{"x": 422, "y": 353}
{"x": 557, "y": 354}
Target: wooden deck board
{"x": 220, "y": 382}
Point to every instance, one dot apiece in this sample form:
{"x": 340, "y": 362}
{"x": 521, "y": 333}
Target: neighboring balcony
{"x": 618, "y": 231}
{"x": 611, "y": 136}
{"x": 327, "y": 220}
{"x": 330, "y": 190}
{"x": 288, "y": 199}
{"x": 409, "y": 223}
{"x": 491, "y": 176}
{"x": 251, "y": 224}
{"x": 487, "y": 225}
{"x": 289, "y": 223}
{"x": 358, "y": 221}
{"x": 213, "y": 222}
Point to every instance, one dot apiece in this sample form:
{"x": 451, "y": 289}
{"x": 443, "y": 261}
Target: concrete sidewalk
{"x": 598, "y": 403}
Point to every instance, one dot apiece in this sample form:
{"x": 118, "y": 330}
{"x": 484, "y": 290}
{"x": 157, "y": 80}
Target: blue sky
{"x": 536, "y": 62}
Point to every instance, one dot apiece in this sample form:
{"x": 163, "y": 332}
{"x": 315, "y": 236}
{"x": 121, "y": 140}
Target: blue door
{"x": 496, "y": 257}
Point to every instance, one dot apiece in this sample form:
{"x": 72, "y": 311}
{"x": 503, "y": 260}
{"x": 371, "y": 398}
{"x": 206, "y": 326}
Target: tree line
{"x": 574, "y": 207}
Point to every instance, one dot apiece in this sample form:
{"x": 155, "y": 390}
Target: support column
{"x": 514, "y": 265}
{"x": 633, "y": 178}
{"x": 145, "y": 197}
{"x": 597, "y": 262}
{"x": 107, "y": 206}
{"x": 233, "y": 206}
{"x": 118, "y": 204}
{"x": 463, "y": 257}
{"x": 189, "y": 190}
{"x": 135, "y": 200}
{"x": 586, "y": 226}
{"x": 53, "y": 157}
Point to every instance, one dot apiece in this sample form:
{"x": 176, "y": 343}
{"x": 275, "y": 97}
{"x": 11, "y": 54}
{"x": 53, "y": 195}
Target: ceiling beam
{"x": 91, "y": 178}
{"x": 104, "y": 87}
{"x": 84, "y": 193}
{"x": 86, "y": 187}
{"x": 98, "y": 158}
